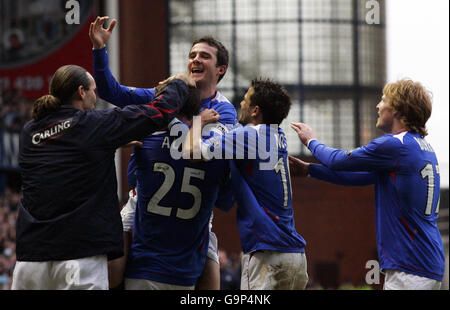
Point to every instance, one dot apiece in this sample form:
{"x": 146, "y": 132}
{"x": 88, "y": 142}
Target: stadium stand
{"x": 9, "y": 203}
{"x": 14, "y": 113}
{"x": 14, "y": 110}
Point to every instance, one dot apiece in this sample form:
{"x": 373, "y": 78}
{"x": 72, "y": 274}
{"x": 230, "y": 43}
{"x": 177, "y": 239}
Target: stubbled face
{"x": 246, "y": 109}
{"x": 385, "y": 115}
{"x": 202, "y": 65}
{"x": 90, "y": 96}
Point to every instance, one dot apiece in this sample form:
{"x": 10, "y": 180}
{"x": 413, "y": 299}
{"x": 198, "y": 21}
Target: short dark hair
{"x": 273, "y": 100}
{"x": 222, "y": 52}
{"x": 193, "y": 105}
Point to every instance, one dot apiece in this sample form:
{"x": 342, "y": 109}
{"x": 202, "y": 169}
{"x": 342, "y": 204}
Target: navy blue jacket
{"x": 70, "y": 207}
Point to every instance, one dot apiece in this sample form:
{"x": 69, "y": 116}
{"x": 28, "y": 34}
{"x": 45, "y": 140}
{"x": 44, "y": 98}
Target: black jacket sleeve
{"x": 116, "y": 127}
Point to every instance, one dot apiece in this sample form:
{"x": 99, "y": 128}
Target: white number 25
{"x": 169, "y": 179}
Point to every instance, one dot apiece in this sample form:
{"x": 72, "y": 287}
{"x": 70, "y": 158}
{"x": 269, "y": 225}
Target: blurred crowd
{"x": 9, "y": 202}
{"x": 15, "y": 110}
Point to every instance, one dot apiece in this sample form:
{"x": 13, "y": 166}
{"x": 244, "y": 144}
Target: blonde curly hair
{"x": 413, "y": 103}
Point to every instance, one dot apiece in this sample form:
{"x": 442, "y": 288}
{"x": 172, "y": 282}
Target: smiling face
{"x": 202, "y": 65}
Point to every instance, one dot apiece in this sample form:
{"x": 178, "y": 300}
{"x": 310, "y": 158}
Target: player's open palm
{"x": 99, "y": 35}
{"x": 304, "y": 132}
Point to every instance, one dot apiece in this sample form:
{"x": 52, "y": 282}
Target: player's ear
{"x": 81, "y": 92}
{"x": 256, "y": 111}
{"x": 222, "y": 69}
{"x": 397, "y": 114}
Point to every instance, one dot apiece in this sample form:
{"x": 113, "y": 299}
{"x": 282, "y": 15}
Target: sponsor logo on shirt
{"x": 51, "y": 132}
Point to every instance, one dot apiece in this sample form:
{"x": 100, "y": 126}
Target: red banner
{"x": 33, "y": 79}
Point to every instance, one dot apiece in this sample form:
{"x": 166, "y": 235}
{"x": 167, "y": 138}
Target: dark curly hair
{"x": 273, "y": 100}
{"x": 193, "y": 105}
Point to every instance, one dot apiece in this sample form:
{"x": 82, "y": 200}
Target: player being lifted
{"x": 174, "y": 204}
{"x": 405, "y": 171}
{"x": 207, "y": 64}
{"x": 274, "y": 253}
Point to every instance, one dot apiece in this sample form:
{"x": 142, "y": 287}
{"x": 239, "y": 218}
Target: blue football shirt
{"x": 261, "y": 185}
{"x": 175, "y": 201}
{"x": 405, "y": 171}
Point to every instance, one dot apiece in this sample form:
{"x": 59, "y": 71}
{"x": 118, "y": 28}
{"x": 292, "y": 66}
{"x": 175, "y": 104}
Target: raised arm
{"x": 118, "y": 127}
{"x": 379, "y": 155}
{"x": 107, "y": 86}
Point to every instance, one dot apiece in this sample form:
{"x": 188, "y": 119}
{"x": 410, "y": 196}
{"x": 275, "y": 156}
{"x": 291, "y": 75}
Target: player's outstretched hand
{"x": 305, "y": 133}
{"x": 99, "y": 35}
{"x": 209, "y": 116}
{"x": 181, "y": 76}
{"x": 298, "y": 167}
